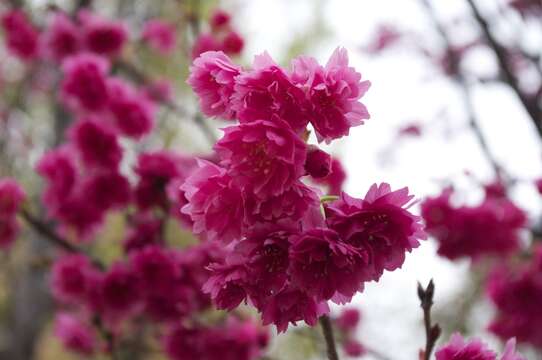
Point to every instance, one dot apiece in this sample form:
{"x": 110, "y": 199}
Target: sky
{"x": 404, "y": 89}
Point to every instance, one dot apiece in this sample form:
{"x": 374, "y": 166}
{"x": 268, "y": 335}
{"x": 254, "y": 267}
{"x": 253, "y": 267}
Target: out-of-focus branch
{"x": 432, "y": 332}
{"x": 48, "y": 234}
{"x": 461, "y": 81}
{"x": 510, "y": 78}
{"x": 327, "y": 328}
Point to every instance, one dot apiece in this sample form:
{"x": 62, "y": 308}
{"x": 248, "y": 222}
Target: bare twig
{"x": 325, "y": 322}
{"x": 46, "y": 231}
{"x": 432, "y": 332}
{"x": 510, "y": 78}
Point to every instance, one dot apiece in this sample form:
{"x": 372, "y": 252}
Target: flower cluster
{"x": 221, "y": 37}
{"x": 284, "y": 257}
{"x": 516, "y": 293}
{"x": 347, "y": 324}
{"x": 459, "y": 349}
{"x": 490, "y": 228}
{"x": 11, "y": 197}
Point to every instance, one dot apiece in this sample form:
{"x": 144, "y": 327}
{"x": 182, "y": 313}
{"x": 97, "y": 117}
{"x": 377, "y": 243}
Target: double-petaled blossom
{"x": 233, "y": 43}
{"x": 490, "y": 228}
{"x": 84, "y": 85}
{"x": 333, "y": 94}
{"x": 22, "y": 38}
{"x": 460, "y": 349}
{"x": 120, "y": 291}
{"x": 72, "y": 278}
{"x": 107, "y": 190}
{"x": 62, "y": 37}
{"x": 160, "y": 35}
{"x": 264, "y": 155}
{"x": 102, "y": 36}
{"x": 212, "y": 77}
{"x": 11, "y": 197}
{"x": 214, "y": 204}
{"x": 318, "y": 163}
{"x": 267, "y": 92}
{"x": 380, "y": 225}
{"x": 75, "y": 334}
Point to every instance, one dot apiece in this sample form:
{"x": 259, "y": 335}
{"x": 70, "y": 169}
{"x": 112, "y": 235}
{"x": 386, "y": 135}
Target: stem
{"x": 328, "y": 198}
{"x": 49, "y": 234}
{"x": 328, "y": 335}
{"x": 432, "y": 332}
{"x": 509, "y": 77}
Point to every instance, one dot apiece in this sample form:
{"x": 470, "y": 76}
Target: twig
{"x": 328, "y": 335}
{"x": 500, "y": 52}
{"x": 432, "y": 332}
{"x": 49, "y": 234}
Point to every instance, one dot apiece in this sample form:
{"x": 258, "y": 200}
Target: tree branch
{"x": 432, "y": 332}
{"x": 49, "y": 234}
{"x": 328, "y": 335}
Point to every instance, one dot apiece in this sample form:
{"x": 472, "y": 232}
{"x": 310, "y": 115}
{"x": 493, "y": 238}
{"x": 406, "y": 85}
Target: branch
{"x": 330, "y": 340}
{"x": 432, "y": 332}
{"x": 49, "y": 234}
{"x": 509, "y": 77}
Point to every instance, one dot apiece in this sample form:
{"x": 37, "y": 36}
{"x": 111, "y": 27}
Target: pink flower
{"x": 333, "y": 92}
{"x": 385, "y": 37}
{"x": 133, "y": 113}
{"x": 226, "y": 285}
{"x": 334, "y": 181}
{"x": 212, "y": 77}
{"x": 538, "y": 184}
{"x": 155, "y": 171}
{"x": 458, "y": 349}
{"x": 318, "y": 163}
{"x": 84, "y": 84}
{"x": 62, "y": 37}
{"x": 265, "y": 156}
{"x": 233, "y": 43}
{"x": 203, "y": 43}
{"x": 353, "y": 348}
{"x": 11, "y": 197}
{"x": 160, "y": 91}
{"x": 77, "y": 214}
{"x": 219, "y": 19}
{"x": 145, "y": 231}
{"x": 323, "y": 265}
{"x": 9, "y": 230}
{"x": 214, "y": 205}
{"x": 107, "y": 190}
{"x": 349, "y": 319}
{"x": 120, "y": 291}
{"x": 97, "y": 144}
{"x": 155, "y": 269}
{"x": 160, "y": 35}
{"x": 21, "y": 36}
{"x": 291, "y": 306}
{"x": 510, "y": 351}
{"x": 74, "y": 334}
{"x": 102, "y": 36}
{"x": 379, "y": 225}
{"x": 267, "y": 92}
{"x": 71, "y": 278}
{"x": 489, "y": 228}
{"x": 183, "y": 343}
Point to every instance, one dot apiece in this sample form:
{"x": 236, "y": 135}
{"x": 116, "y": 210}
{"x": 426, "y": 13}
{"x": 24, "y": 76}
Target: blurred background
{"x": 446, "y": 110}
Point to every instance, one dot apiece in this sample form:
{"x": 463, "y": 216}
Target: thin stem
{"x": 328, "y": 198}
{"x": 510, "y": 78}
{"x": 432, "y": 332}
{"x": 330, "y": 339}
{"x": 49, "y": 234}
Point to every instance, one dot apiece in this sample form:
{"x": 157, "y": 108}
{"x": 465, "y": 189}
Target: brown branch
{"x": 325, "y": 322}
{"x": 46, "y": 231}
{"x": 432, "y": 332}
{"x": 510, "y": 78}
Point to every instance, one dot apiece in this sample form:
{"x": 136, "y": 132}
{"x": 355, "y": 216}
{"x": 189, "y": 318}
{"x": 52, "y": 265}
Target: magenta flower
{"x": 120, "y": 291}
{"x": 11, "y": 197}
{"x": 22, "y": 38}
{"x": 160, "y": 35}
{"x": 62, "y": 37}
{"x": 155, "y": 170}
{"x": 107, "y": 190}
{"x": 145, "y": 231}
{"x": 214, "y": 205}
{"x": 212, "y": 77}
{"x": 353, "y": 348}
{"x": 267, "y": 92}
{"x": 97, "y": 144}
{"x": 510, "y": 351}
{"x": 333, "y": 92}
{"x": 159, "y": 90}
{"x": 290, "y": 306}
{"x": 458, "y": 349}
{"x": 349, "y": 319}
{"x": 74, "y": 334}
{"x": 84, "y": 85}
{"x": 233, "y": 43}
{"x": 9, "y": 230}
{"x": 182, "y": 343}
{"x": 334, "y": 181}
{"x": 379, "y": 225}
{"x": 265, "y": 156}
{"x": 133, "y": 113}
{"x": 102, "y": 36}
{"x": 227, "y": 284}
{"x": 71, "y": 278}
{"x": 219, "y": 19}
{"x": 491, "y": 227}
{"x": 318, "y": 163}
{"x": 155, "y": 269}
{"x": 323, "y": 265}
{"x": 203, "y": 43}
